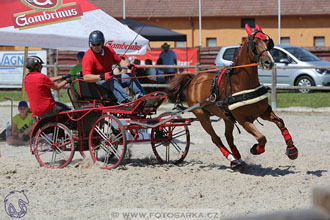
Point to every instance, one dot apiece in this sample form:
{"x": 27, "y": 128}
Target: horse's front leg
{"x": 230, "y": 139}
{"x": 291, "y": 150}
{"x": 251, "y": 128}
{"x": 204, "y": 119}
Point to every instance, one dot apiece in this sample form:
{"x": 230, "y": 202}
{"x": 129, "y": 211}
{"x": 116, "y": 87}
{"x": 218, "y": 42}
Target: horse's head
{"x": 260, "y": 44}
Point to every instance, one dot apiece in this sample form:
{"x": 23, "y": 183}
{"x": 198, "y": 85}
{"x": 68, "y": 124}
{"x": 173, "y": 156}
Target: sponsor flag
{"x": 63, "y": 24}
{"x": 186, "y": 57}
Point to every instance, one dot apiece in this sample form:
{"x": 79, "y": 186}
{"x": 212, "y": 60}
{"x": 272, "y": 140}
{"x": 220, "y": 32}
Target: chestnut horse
{"x": 234, "y": 85}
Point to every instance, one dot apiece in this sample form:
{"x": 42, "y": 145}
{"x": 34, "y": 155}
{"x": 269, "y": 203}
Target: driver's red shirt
{"x": 37, "y": 86}
{"x": 98, "y": 64}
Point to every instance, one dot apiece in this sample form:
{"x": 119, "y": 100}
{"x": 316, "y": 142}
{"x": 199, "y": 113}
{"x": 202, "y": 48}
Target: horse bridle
{"x": 252, "y": 46}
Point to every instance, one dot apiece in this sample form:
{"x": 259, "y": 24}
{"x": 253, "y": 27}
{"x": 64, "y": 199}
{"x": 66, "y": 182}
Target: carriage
{"x": 98, "y": 125}
{"x": 235, "y": 95}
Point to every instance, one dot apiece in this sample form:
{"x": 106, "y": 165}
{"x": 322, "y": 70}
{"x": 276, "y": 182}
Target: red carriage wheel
{"x": 107, "y": 142}
{"x": 54, "y": 145}
{"x": 170, "y": 144}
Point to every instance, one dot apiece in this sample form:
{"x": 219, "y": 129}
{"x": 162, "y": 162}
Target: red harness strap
{"x": 220, "y": 77}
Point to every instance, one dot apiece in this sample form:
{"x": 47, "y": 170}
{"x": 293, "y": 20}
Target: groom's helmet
{"x": 96, "y": 37}
{"x": 32, "y": 62}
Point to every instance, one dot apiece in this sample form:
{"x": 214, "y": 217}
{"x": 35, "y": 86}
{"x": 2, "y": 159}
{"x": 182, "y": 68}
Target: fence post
{"x": 274, "y": 82}
{"x": 196, "y": 67}
{"x": 57, "y": 92}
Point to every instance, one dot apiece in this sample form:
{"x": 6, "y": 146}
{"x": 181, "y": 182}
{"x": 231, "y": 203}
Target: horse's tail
{"x": 178, "y": 86}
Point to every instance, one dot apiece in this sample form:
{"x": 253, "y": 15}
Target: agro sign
{"x": 11, "y": 77}
{"x": 46, "y": 12}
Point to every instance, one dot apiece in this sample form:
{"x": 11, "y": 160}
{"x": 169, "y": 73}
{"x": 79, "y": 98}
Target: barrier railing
{"x": 197, "y": 68}
{"x": 276, "y": 87}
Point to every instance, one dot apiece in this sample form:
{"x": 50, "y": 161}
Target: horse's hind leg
{"x": 204, "y": 118}
{"x": 291, "y": 151}
{"x": 251, "y": 128}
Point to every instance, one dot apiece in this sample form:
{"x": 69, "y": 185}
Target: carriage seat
{"x": 82, "y": 93}
{"x": 89, "y": 91}
{"x": 92, "y": 91}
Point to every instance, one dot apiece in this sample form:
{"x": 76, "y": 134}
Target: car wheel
{"x": 305, "y": 81}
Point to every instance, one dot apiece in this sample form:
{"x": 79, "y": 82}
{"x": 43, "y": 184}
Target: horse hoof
{"x": 292, "y": 152}
{"x": 237, "y": 165}
{"x": 241, "y": 161}
{"x": 255, "y": 150}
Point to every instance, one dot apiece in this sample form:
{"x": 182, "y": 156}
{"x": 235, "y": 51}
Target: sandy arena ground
{"x": 269, "y": 182}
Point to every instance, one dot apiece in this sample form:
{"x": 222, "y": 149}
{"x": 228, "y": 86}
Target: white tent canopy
{"x": 63, "y": 24}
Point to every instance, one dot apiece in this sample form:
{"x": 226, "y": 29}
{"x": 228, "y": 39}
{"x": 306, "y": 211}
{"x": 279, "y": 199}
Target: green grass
{"x": 313, "y": 100}
{"x": 16, "y": 95}
{"x": 284, "y": 99}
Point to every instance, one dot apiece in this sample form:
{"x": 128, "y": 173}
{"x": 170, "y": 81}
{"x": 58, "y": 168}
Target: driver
{"x": 38, "y": 85}
{"x": 97, "y": 68}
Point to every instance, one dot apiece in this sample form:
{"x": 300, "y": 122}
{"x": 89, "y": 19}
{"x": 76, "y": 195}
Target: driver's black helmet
{"x": 32, "y": 62}
{"x": 96, "y": 37}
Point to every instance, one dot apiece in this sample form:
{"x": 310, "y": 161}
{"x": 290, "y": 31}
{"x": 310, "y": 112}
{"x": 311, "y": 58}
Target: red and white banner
{"x": 63, "y": 24}
{"x": 186, "y": 57}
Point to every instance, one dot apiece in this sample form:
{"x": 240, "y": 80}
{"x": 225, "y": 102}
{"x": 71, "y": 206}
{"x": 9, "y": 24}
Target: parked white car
{"x": 286, "y": 55}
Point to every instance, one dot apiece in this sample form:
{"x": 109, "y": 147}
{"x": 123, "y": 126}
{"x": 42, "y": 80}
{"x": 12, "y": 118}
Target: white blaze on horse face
{"x": 266, "y": 64}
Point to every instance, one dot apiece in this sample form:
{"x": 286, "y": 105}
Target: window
{"x": 278, "y": 55}
{"x": 179, "y": 44}
{"x": 285, "y": 40}
{"x": 249, "y": 21}
{"x": 318, "y": 41}
{"x": 230, "y": 53}
{"x": 211, "y": 42}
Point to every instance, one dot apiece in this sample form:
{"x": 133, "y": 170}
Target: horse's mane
{"x": 178, "y": 86}
{"x": 235, "y": 59}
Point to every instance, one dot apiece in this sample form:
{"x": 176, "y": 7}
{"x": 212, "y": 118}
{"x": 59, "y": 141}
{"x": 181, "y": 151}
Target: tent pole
{"x": 124, "y": 9}
{"x": 57, "y": 92}
{"x": 187, "y": 62}
{"x": 26, "y": 50}
{"x": 200, "y": 21}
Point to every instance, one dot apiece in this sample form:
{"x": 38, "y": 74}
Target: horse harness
{"x": 261, "y": 35}
{"x": 235, "y": 100}
{"x": 243, "y": 97}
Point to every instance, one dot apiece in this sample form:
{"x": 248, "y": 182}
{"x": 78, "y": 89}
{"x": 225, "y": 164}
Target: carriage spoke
{"x": 100, "y": 132}
{"x": 44, "y": 151}
{"x": 106, "y": 160}
{"x": 52, "y": 161}
{"x": 179, "y": 134}
{"x": 177, "y": 147}
{"x": 117, "y": 137}
{"x": 65, "y": 142}
{"x": 61, "y": 153}
{"x": 113, "y": 150}
{"x": 55, "y": 134}
{"x": 45, "y": 137}
{"x": 106, "y": 136}
{"x": 109, "y": 127}
{"x": 110, "y": 150}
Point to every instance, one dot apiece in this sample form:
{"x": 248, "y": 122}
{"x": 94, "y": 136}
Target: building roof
{"x": 212, "y": 8}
